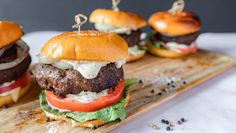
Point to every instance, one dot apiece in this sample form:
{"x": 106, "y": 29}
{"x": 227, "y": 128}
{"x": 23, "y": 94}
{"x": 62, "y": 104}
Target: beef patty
{"x": 183, "y": 39}
{"x": 70, "y": 81}
{"x": 133, "y": 38}
{"x": 13, "y": 73}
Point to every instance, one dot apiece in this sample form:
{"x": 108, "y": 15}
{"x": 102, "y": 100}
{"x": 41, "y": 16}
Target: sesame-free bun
{"x": 10, "y": 32}
{"x": 119, "y": 19}
{"x": 135, "y": 57}
{"x": 6, "y": 100}
{"x": 86, "y": 124}
{"x": 165, "y": 52}
{"x": 181, "y": 23}
{"x": 86, "y": 46}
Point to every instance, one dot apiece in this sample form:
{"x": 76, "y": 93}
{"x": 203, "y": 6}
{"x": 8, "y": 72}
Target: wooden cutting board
{"x": 160, "y": 80}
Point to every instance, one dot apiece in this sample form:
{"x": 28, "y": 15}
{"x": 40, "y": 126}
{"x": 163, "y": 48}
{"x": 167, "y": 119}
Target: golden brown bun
{"x": 164, "y": 52}
{"x": 87, "y": 124}
{"x": 9, "y": 33}
{"x": 118, "y": 19}
{"x": 86, "y": 46}
{"x": 6, "y": 100}
{"x": 138, "y": 56}
{"x": 174, "y": 25}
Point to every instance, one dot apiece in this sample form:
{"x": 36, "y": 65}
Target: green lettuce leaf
{"x": 143, "y": 47}
{"x": 111, "y": 113}
{"x": 155, "y": 44}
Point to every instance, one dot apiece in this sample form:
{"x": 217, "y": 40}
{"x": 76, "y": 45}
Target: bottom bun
{"x": 86, "y": 124}
{"x": 164, "y": 52}
{"x": 6, "y": 100}
{"x": 135, "y": 57}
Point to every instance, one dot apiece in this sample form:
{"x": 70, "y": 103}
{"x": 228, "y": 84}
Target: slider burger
{"x": 14, "y": 62}
{"x": 83, "y": 78}
{"x": 174, "y": 33}
{"x": 125, "y": 24}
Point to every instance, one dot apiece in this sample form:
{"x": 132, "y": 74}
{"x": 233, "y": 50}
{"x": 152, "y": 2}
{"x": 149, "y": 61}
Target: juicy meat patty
{"x": 70, "y": 81}
{"x": 9, "y": 55}
{"x": 133, "y": 38}
{"x": 183, "y": 39}
{"x": 13, "y": 73}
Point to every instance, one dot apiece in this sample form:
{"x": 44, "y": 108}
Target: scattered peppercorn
{"x": 172, "y": 82}
{"x": 168, "y": 128}
{"x": 168, "y": 84}
{"x": 184, "y": 82}
{"x": 163, "y": 121}
{"x": 183, "y": 120}
{"x": 167, "y": 122}
{"x": 152, "y": 91}
{"x": 159, "y": 93}
{"x": 140, "y": 81}
{"x": 173, "y": 86}
{"x": 179, "y": 122}
{"x": 171, "y": 125}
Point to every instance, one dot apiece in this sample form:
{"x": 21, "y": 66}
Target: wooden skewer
{"x": 115, "y": 4}
{"x": 80, "y": 19}
{"x": 178, "y": 6}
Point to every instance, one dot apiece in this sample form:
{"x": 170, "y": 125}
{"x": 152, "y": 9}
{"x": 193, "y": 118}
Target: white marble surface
{"x": 209, "y": 108}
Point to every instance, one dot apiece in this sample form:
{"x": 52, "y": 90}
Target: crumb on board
{"x": 154, "y": 126}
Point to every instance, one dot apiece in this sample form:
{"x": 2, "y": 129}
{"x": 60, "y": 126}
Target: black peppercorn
{"x": 152, "y": 91}
{"x": 163, "y": 121}
{"x": 140, "y": 81}
{"x": 159, "y": 93}
{"x": 182, "y": 119}
{"x": 167, "y": 122}
{"x": 168, "y": 128}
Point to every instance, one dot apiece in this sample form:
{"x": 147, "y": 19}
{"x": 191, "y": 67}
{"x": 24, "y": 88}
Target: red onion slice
{"x": 22, "y": 53}
{"x": 2, "y": 50}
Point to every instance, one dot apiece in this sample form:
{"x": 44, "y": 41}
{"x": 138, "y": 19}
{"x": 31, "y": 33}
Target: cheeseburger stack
{"x": 14, "y": 62}
{"x": 125, "y": 24}
{"x": 83, "y": 79}
{"x": 175, "y": 32}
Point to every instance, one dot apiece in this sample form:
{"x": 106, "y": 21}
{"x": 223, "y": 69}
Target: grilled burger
{"x": 14, "y": 62}
{"x": 125, "y": 24}
{"x": 174, "y": 35}
{"x": 83, "y": 78}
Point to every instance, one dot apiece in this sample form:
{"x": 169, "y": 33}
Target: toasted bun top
{"x": 181, "y": 23}
{"x": 9, "y": 33}
{"x": 86, "y": 46}
{"x": 118, "y": 19}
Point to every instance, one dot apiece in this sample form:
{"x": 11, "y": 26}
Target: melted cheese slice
{"x": 112, "y": 29}
{"x": 87, "y": 69}
{"x": 134, "y": 50}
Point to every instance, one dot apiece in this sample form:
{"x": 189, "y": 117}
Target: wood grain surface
{"x": 160, "y": 80}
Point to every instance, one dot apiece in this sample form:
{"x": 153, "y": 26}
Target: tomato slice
{"x": 113, "y": 96}
{"x": 191, "y": 49}
{"x": 20, "y": 82}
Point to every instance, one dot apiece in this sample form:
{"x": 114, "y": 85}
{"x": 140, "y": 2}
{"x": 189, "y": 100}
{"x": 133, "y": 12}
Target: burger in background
{"x": 14, "y": 62}
{"x": 84, "y": 81}
{"x": 127, "y": 25}
{"x": 175, "y": 32}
